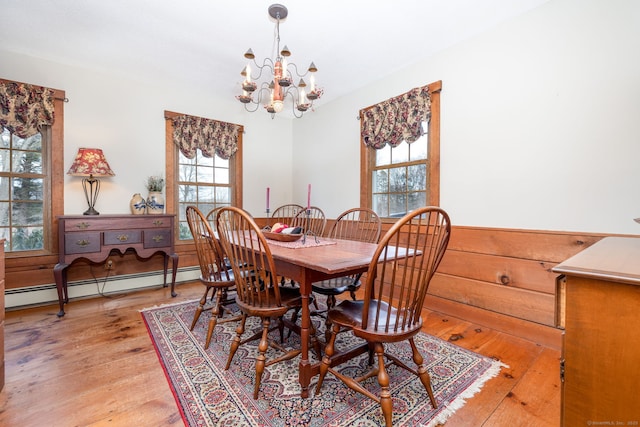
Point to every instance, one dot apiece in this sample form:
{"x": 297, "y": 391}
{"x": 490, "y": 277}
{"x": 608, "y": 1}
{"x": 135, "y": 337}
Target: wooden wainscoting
{"x": 497, "y": 277}
{"x": 502, "y": 278}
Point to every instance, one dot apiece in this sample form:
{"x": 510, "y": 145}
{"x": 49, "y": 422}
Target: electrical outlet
{"x": 108, "y": 265}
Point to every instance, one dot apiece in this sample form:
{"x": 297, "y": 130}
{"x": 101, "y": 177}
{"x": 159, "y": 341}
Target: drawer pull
{"x": 158, "y": 238}
{"x": 123, "y": 237}
{"x": 83, "y": 242}
{"x": 82, "y": 225}
{"x": 158, "y": 222}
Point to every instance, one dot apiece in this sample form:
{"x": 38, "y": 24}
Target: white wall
{"x": 538, "y": 123}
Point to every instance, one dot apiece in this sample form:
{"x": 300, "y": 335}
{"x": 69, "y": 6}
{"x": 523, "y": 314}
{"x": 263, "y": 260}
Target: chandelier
{"x": 277, "y": 78}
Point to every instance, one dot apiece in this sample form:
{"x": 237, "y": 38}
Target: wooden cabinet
{"x": 600, "y": 311}
{"x": 1, "y": 314}
{"x": 95, "y": 237}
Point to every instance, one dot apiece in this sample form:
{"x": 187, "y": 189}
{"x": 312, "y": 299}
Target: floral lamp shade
{"x": 90, "y": 162}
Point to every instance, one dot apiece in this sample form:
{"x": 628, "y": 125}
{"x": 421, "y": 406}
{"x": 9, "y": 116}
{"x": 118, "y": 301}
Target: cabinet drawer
{"x": 81, "y": 243}
{"x": 122, "y": 237}
{"x": 157, "y": 238}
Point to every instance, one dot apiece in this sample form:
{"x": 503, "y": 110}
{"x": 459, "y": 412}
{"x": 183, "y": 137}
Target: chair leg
{"x": 386, "y": 404}
{"x": 326, "y": 360}
{"x": 196, "y": 316}
{"x": 261, "y": 360}
{"x": 215, "y": 313}
{"x": 422, "y": 373}
{"x": 236, "y": 341}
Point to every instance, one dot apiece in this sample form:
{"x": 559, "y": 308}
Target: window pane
{"x": 205, "y": 194}
{"x": 205, "y": 174}
{"x": 223, "y": 195}
{"x": 381, "y": 181}
{"x": 417, "y": 200}
{"x": 5, "y": 138}
{"x": 187, "y": 173}
{"x": 5, "y": 163}
{"x": 4, "y": 188}
{"x": 418, "y": 149}
{"x": 397, "y": 205}
{"x": 27, "y": 162}
{"x": 29, "y": 213}
{"x": 383, "y": 156}
{"x": 417, "y": 177}
{"x": 221, "y": 176}
{"x": 33, "y": 143}
{"x": 187, "y": 193}
{"x": 397, "y": 180}
{"x": 4, "y": 214}
{"x": 400, "y": 154}
{"x": 381, "y": 204}
{"x": 184, "y": 232}
{"x": 27, "y": 238}
{"x": 27, "y": 188}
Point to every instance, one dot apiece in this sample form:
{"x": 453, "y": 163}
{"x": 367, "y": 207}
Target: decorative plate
{"x": 282, "y": 237}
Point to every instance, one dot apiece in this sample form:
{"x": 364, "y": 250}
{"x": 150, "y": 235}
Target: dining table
{"x": 311, "y": 261}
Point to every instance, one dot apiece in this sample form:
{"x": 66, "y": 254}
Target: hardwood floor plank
{"x": 96, "y": 366}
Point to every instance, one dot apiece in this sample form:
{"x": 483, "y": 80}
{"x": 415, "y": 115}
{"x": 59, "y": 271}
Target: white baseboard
{"x": 46, "y": 294}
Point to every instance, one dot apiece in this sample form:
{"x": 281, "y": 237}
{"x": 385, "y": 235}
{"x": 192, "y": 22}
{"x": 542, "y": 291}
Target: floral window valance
{"x": 210, "y": 136}
{"x": 396, "y": 119}
{"x": 25, "y": 108}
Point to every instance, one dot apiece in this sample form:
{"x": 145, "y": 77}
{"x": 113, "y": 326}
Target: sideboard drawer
{"x": 82, "y": 243}
{"x": 157, "y": 238}
{"x": 122, "y": 237}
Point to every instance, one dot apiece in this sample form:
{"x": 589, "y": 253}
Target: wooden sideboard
{"x": 94, "y": 237}
{"x": 600, "y": 312}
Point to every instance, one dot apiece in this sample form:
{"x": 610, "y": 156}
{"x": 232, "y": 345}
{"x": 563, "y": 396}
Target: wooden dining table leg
{"x": 305, "y": 366}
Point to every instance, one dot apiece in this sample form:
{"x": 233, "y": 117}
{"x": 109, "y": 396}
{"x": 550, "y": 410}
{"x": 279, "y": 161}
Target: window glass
{"x": 22, "y": 195}
{"x": 399, "y": 177}
{"x": 203, "y": 182}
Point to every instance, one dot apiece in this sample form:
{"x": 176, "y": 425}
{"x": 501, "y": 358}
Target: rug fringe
{"x": 169, "y": 304}
{"x": 462, "y": 398}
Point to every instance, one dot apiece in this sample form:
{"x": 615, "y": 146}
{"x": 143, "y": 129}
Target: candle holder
{"x": 268, "y": 220}
{"x": 306, "y": 228}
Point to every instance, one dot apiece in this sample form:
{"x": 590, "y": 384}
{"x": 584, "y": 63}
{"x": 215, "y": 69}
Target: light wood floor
{"x": 96, "y": 366}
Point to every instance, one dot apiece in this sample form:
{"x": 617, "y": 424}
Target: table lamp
{"x": 91, "y": 164}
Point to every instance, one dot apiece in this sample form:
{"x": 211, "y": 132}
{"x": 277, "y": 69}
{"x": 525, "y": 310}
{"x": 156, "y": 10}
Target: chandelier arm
{"x": 267, "y": 63}
{"x": 296, "y": 68}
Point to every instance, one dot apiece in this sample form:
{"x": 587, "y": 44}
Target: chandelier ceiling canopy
{"x": 273, "y": 82}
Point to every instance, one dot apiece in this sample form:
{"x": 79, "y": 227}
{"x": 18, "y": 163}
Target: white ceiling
{"x": 203, "y": 41}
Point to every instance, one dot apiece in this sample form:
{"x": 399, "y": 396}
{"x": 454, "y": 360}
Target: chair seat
{"x": 336, "y": 286}
{"x": 349, "y": 314}
{"x": 289, "y": 297}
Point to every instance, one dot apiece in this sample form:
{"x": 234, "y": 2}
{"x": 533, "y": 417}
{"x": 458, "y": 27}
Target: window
{"x": 203, "y": 182}
{"x": 203, "y": 177}
{"x": 396, "y": 180}
{"x": 31, "y": 188}
{"x": 22, "y": 201}
{"x": 399, "y": 178}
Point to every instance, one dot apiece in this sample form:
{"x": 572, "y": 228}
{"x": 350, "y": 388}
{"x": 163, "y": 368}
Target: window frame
{"x": 368, "y": 157}
{"x": 172, "y": 168}
{"x": 53, "y": 155}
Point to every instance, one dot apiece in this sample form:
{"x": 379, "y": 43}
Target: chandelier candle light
{"x": 279, "y": 74}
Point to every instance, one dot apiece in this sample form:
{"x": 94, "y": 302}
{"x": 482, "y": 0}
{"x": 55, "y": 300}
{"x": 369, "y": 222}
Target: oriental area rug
{"x": 207, "y": 395}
